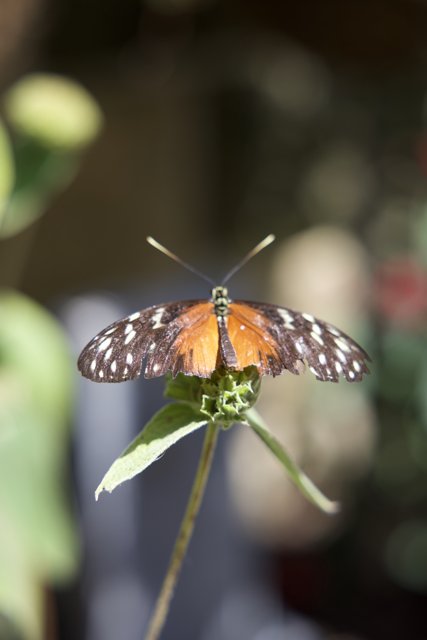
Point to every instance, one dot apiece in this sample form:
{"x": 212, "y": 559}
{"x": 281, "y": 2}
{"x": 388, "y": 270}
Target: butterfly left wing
{"x": 178, "y": 336}
{"x": 274, "y": 339}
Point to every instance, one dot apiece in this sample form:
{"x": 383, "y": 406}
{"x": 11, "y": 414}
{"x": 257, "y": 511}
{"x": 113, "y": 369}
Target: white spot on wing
{"x": 308, "y": 317}
{"x": 108, "y": 353}
{"x": 341, "y": 356}
{"x": 334, "y": 331}
{"x": 129, "y": 358}
{"x": 128, "y": 328}
{"x": 242, "y": 327}
{"x": 299, "y": 347}
{"x": 152, "y": 346}
{"x": 356, "y": 366}
{"x": 156, "y": 367}
{"x": 351, "y": 374}
{"x": 107, "y": 333}
{"x": 156, "y": 319}
{"x": 322, "y": 358}
{"x": 113, "y": 366}
{"x": 101, "y": 374}
{"x": 342, "y": 344}
{"x": 130, "y": 337}
{"x": 93, "y": 365}
{"x": 317, "y": 338}
{"x": 287, "y": 318}
{"x": 338, "y": 367}
{"x": 105, "y": 344}
{"x": 134, "y": 316}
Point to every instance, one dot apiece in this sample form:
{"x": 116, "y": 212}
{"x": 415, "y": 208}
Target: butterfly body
{"x": 196, "y": 337}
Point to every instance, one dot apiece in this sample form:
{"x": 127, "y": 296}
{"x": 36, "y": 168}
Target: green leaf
{"x": 54, "y": 110}
{"x": 53, "y": 120}
{"x": 297, "y": 476}
{"x": 165, "y": 428}
{"x": 7, "y": 171}
{"x": 184, "y": 388}
{"x": 21, "y": 592}
{"x": 35, "y": 397}
{"x": 40, "y": 175}
{"x": 33, "y": 499}
{"x": 33, "y": 347}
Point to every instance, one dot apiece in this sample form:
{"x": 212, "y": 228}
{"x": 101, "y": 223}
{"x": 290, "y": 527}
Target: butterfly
{"x": 196, "y": 337}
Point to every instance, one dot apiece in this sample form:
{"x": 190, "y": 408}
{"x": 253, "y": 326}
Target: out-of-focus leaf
{"x": 35, "y": 389}
{"x": 7, "y": 170}
{"x": 33, "y": 346}
{"x": 40, "y": 174}
{"x": 165, "y": 428}
{"x": 21, "y": 605}
{"x": 54, "y": 119}
{"x": 33, "y": 498}
{"x": 395, "y": 471}
{"x": 298, "y": 477}
{"x": 406, "y": 555}
{"x": 403, "y": 356}
{"x": 58, "y": 112}
{"x": 421, "y": 389}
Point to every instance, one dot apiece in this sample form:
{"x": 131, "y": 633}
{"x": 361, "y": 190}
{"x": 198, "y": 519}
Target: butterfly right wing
{"x": 171, "y": 337}
{"x": 275, "y": 339}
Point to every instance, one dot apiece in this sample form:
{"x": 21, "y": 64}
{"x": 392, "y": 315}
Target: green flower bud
{"x": 227, "y": 395}
{"x": 223, "y": 398}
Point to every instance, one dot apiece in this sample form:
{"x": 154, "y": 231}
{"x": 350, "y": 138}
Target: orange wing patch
{"x": 251, "y": 340}
{"x": 195, "y": 350}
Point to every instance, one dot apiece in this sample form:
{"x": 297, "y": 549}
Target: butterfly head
{"x": 221, "y": 300}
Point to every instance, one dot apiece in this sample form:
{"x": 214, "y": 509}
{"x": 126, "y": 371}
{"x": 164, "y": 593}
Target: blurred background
{"x": 208, "y": 125}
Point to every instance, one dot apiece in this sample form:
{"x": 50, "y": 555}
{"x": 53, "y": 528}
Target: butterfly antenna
{"x": 259, "y": 247}
{"x": 168, "y": 253}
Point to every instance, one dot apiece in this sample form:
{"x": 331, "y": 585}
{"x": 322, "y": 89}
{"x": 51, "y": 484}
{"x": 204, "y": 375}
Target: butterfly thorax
{"x": 220, "y": 300}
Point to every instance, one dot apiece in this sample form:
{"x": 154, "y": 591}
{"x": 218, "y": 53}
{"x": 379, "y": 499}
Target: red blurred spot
{"x": 401, "y": 292}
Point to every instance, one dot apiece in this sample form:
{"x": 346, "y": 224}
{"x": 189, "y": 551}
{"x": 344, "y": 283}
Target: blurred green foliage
{"x": 401, "y": 461}
{"x": 51, "y": 120}
{"x": 406, "y": 554}
{"x": 7, "y": 169}
{"x": 53, "y": 110}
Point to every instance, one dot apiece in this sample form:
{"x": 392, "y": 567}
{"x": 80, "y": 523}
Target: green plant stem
{"x": 159, "y": 615}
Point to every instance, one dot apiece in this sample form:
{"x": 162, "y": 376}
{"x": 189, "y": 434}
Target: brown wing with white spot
{"x": 248, "y": 330}
{"x": 156, "y": 335}
{"x": 192, "y": 347}
{"x": 276, "y": 339}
